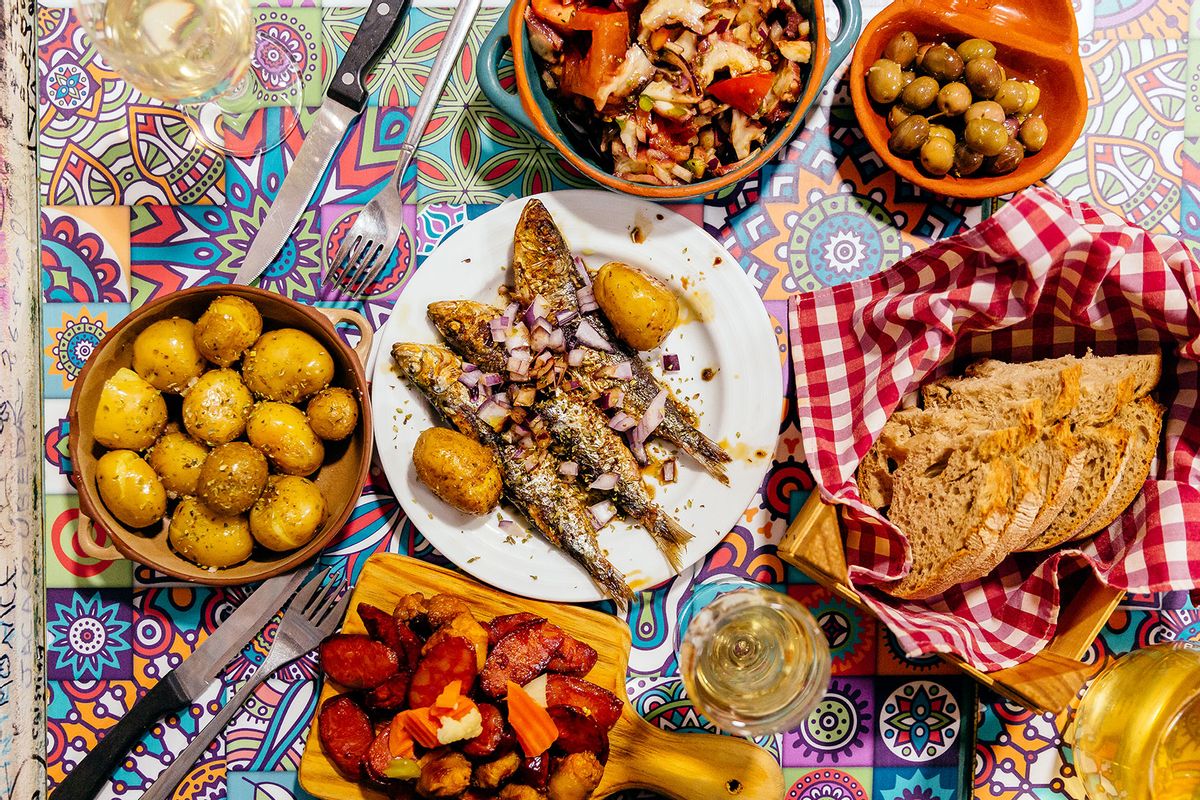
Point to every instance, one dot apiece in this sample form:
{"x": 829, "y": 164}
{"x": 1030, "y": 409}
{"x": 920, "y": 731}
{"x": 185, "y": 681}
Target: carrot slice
{"x": 422, "y": 726}
{"x": 448, "y": 699}
{"x": 531, "y": 723}
{"x": 400, "y": 741}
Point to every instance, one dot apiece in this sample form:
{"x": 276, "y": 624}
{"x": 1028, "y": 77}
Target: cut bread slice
{"x": 1057, "y": 460}
{"x": 1107, "y": 383}
{"x": 1057, "y": 389}
{"x": 1103, "y": 455}
{"x": 1143, "y": 420}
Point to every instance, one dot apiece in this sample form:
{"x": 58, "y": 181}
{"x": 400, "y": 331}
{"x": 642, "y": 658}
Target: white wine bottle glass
{"x": 1136, "y": 734}
{"x": 206, "y": 57}
{"x": 753, "y": 660}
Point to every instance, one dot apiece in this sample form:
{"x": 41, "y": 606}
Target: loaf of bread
{"x": 1012, "y": 457}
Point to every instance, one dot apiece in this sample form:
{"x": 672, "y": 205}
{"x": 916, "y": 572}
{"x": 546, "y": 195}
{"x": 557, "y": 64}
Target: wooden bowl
{"x": 533, "y": 109}
{"x": 341, "y": 477}
{"x": 1035, "y": 40}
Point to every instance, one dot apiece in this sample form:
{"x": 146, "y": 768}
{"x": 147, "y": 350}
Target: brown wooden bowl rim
{"x": 184, "y": 569}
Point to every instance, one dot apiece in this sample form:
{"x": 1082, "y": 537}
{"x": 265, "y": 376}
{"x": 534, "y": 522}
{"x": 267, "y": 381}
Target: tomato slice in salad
{"x": 556, "y": 12}
{"x": 745, "y": 92}
{"x": 584, "y": 74}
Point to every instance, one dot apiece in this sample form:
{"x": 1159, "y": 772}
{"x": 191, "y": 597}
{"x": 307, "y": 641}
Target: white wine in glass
{"x": 197, "y": 54}
{"x": 753, "y": 660}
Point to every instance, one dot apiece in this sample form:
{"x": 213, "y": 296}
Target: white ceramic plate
{"x": 725, "y": 328}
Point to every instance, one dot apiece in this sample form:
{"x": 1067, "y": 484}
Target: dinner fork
{"x": 369, "y": 243}
{"x": 314, "y": 613}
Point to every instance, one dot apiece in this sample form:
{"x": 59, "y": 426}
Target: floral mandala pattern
{"x": 76, "y": 265}
{"x": 74, "y": 344}
{"x": 836, "y": 730}
{"x": 68, "y": 86}
{"x": 827, "y": 784}
{"x": 278, "y": 54}
{"x": 919, "y": 721}
{"x": 842, "y": 237}
{"x": 89, "y": 636}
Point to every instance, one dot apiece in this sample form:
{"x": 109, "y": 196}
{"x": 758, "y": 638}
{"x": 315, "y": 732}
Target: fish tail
{"x": 605, "y": 574}
{"x": 671, "y": 538}
{"x": 700, "y": 447}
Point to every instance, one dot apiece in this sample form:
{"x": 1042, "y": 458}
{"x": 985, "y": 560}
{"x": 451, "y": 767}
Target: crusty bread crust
{"x": 1145, "y": 428}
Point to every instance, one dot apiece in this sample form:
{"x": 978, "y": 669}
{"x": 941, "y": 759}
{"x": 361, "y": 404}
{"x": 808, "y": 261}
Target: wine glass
{"x": 753, "y": 660}
{"x": 1136, "y": 735}
{"x": 205, "y": 56}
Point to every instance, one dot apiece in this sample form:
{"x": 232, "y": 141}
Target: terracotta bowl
{"x": 1035, "y": 40}
{"x": 341, "y": 477}
{"x": 533, "y": 109}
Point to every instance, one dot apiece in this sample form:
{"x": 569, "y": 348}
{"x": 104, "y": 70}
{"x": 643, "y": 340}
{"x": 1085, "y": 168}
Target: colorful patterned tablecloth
{"x": 130, "y": 213}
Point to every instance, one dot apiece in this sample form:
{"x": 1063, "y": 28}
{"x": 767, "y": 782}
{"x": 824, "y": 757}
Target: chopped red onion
{"x": 507, "y": 525}
{"x": 539, "y": 340}
{"x": 587, "y": 335}
{"x": 517, "y": 339}
{"x": 602, "y": 512}
{"x": 670, "y": 362}
{"x": 518, "y": 366}
{"x": 492, "y": 379}
{"x": 524, "y": 396}
{"x": 469, "y": 379}
{"x": 499, "y": 329}
{"x": 537, "y": 425}
{"x": 652, "y": 418}
{"x": 638, "y": 449}
{"x": 469, "y": 367}
{"x": 511, "y": 312}
{"x": 568, "y": 468}
{"x": 622, "y": 422}
{"x": 604, "y": 482}
{"x": 571, "y": 384}
{"x": 563, "y": 317}
{"x": 519, "y": 430}
{"x": 622, "y": 371}
{"x": 543, "y": 358}
{"x": 531, "y": 461}
{"x": 612, "y": 398}
{"x": 558, "y": 340}
{"x": 535, "y": 310}
{"x": 581, "y": 268}
{"x": 541, "y": 324}
{"x": 587, "y": 299}
{"x": 669, "y": 469}
{"x": 493, "y": 413}
{"x": 575, "y": 357}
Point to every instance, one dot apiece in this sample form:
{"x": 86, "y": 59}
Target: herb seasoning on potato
{"x": 131, "y": 414}
{"x": 459, "y": 470}
{"x": 641, "y": 308}
{"x": 286, "y": 365}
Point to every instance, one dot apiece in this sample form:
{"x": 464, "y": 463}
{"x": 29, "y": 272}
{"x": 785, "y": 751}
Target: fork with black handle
{"x": 315, "y": 613}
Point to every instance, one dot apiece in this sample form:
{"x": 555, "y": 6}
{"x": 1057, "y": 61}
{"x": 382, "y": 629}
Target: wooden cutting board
{"x": 685, "y": 766}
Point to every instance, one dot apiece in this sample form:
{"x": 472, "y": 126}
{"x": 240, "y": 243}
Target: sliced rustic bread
{"x": 1057, "y": 389}
{"x": 1143, "y": 420}
{"x": 1106, "y": 383}
{"x": 1057, "y": 460}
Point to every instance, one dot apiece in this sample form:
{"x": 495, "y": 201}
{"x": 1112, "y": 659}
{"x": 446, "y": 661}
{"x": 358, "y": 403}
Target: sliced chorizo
{"x": 380, "y": 625}
{"x": 357, "y": 661}
{"x": 578, "y": 732}
{"x": 499, "y": 627}
{"x": 534, "y": 771}
{"x": 601, "y": 704}
{"x": 391, "y": 695}
{"x": 573, "y": 658}
{"x": 451, "y": 659}
{"x": 491, "y": 737}
{"x": 520, "y": 657}
{"x": 346, "y": 734}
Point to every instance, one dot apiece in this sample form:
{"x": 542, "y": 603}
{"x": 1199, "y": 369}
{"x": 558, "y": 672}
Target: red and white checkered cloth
{"x": 1044, "y": 277}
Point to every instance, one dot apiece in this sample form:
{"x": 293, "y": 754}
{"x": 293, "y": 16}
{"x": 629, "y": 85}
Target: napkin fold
{"x": 1043, "y": 277}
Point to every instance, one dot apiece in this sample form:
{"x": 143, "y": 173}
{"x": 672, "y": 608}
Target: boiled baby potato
{"x": 288, "y": 514}
{"x": 207, "y": 538}
{"x": 232, "y": 478}
{"x": 177, "y": 459}
{"x": 217, "y": 406}
{"x": 282, "y": 432}
{"x": 459, "y": 470}
{"x": 165, "y": 354}
{"x": 131, "y": 413}
{"x": 333, "y": 413}
{"x": 130, "y": 489}
{"x": 287, "y": 365}
{"x": 641, "y": 308}
{"x": 227, "y": 328}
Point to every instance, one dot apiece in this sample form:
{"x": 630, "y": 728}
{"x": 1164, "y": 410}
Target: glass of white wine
{"x": 753, "y": 660}
{"x": 205, "y": 56}
{"x": 1136, "y": 735}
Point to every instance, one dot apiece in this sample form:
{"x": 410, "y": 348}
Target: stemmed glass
{"x": 205, "y": 56}
{"x": 753, "y": 660}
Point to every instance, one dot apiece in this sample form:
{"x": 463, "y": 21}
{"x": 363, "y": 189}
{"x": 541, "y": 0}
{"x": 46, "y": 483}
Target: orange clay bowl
{"x": 340, "y": 478}
{"x": 1035, "y": 40}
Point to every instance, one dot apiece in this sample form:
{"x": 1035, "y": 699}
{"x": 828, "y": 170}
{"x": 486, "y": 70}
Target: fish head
{"x": 455, "y": 318}
{"x": 431, "y": 367}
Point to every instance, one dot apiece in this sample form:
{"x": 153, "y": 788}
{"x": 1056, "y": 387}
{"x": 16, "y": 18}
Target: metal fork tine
{"x": 334, "y": 611}
{"x": 363, "y": 278}
{"x": 371, "y": 275}
{"x": 345, "y": 256}
{"x": 350, "y": 275}
{"x": 304, "y": 597}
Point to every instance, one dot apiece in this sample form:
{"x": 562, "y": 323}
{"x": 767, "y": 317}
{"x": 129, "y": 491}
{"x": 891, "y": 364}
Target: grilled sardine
{"x": 551, "y": 504}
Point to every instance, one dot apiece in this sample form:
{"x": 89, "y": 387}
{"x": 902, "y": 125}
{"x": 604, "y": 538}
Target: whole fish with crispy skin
{"x": 542, "y": 264}
{"x": 576, "y": 424}
{"x": 551, "y": 504}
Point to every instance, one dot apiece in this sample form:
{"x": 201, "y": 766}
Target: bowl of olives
{"x": 970, "y": 101}
{"x": 221, "y": 434}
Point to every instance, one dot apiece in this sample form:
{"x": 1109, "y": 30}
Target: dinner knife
{"x": 179, "y": 687}
{"x": 344, "y": 101}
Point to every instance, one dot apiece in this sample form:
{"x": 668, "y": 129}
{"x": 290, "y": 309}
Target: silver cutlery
{"x": 369, "y": 243}
{"x": 314, "y": 613}
{"x": 179, "y": 687}
{"x": 344, "y": 101}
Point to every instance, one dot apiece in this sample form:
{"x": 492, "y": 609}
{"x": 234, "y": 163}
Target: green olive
{"x": 937, "y": 156}
{"x": 966, "y": 160}
{"x": 976, "y": 48}
{"x": 1008, "y": 159}
{"x": 984, "y": 109}
{"x": 883, "y": 81}
{"x": 920, "y": 94}
{"x": 1033, "y": 134}
{"x": 942, "y": 62}
{"x": 921, "y": 51}
{"x": 984, "y": 77}
{"x": 901, "y": 48}
{"x": 1012, "y": 125}
{"x": 1011, "y": 96}
{"x": 909, "y": 135}
{"x": 954, "y": 98}
{"x": 942, "y": 132}
{"x": 896, "y": 115}
{"x": 1032, "y": 95}
{"x": 985, "y": 136}
{"x": 906, "y": 77}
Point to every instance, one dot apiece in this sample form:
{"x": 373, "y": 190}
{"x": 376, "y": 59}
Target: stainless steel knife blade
{"x": 207, "y": 661}
{"x": 332, "y": 121}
